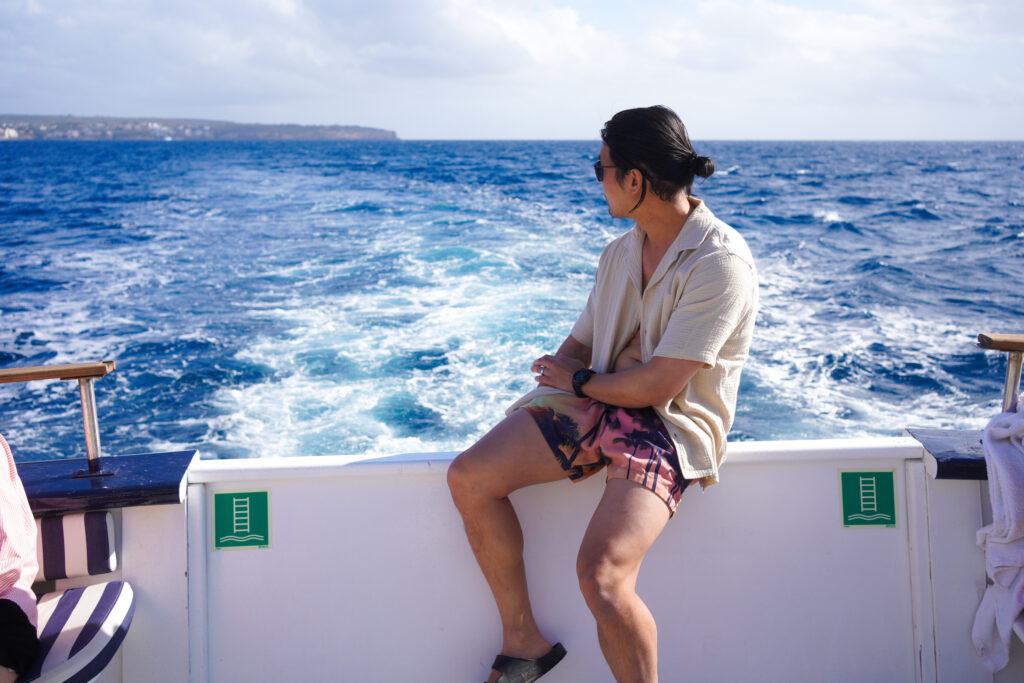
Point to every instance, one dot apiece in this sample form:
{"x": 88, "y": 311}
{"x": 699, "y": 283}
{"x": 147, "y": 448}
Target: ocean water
{"x": 280, "y": 299}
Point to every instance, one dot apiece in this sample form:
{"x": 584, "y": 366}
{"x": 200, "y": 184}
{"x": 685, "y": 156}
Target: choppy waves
{"x": 282, "y": 299}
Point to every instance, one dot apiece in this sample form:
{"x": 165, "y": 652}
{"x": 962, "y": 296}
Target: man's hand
{"x": 556, "y": 371}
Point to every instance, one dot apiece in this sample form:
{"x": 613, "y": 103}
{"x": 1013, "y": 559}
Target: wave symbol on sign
{"x": 870, "y": 517}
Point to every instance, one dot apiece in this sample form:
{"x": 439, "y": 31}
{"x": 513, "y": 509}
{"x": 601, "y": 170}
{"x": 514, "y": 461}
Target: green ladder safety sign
{"x": 868, "y": 498}
{"x": 241, "y": 519}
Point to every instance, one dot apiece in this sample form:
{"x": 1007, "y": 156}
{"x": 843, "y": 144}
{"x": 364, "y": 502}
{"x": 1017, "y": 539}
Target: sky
{"x": 529, "y": 69}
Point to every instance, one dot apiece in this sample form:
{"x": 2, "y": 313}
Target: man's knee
{"x": 603, "y": 582}
{"x": 467, "y": 480}
{"x": 460, "y": 478}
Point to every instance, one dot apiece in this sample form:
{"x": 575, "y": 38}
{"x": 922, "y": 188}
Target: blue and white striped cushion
{"x": 75, "y": 545}
{"x": 80, "y": 630}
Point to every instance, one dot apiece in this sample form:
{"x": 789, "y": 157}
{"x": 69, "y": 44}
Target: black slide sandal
{"x": 518, "y": 670}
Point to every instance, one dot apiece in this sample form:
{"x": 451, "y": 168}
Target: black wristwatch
{"x": 579, "y": 378}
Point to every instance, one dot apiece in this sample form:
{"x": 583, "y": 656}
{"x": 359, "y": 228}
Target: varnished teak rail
{"x": 85, "y": 373}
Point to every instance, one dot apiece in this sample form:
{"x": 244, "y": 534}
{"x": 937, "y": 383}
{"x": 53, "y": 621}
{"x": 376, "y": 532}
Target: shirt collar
{"x": 691, "y": 236}
{"x": 695, "y": 229}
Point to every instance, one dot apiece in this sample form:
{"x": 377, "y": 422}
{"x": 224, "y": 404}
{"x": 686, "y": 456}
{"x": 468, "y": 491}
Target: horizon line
{"x": 399, "y": 138}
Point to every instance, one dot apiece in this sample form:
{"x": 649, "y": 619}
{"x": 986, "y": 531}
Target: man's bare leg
{"x": 512, "y": 455}
{"x": 625, "y": 524}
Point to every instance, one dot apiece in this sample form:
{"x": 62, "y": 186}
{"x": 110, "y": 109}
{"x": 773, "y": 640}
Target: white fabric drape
{"x": 1003, "y": 539}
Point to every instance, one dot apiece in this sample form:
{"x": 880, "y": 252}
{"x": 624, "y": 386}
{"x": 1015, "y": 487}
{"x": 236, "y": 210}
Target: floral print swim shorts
{"x": 632, "y": 443}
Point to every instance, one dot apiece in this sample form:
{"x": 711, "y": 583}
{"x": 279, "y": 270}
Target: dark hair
{"x": 654, "y": 141}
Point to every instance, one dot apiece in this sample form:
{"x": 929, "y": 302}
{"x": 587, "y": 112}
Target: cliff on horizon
{"x": 33, "y": 127}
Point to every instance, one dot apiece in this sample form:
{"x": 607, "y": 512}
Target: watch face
{"x": 579, "y": 378}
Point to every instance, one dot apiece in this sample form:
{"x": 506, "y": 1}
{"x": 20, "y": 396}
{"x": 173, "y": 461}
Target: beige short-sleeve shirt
{"x": 700, "y": 304}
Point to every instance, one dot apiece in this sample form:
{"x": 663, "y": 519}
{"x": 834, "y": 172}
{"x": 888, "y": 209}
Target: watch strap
{"x": 579, "y": 378}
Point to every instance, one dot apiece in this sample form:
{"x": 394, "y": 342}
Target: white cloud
{"x": 780, "y": 45}
{"x": 549, "y": 35}
{"x": 843, "y": 70}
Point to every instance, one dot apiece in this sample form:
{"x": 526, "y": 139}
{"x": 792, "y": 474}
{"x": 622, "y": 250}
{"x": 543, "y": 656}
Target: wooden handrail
{"x": 85, "y": 373}
{"x": 64, "y": 371}
{"x": 1001, "y": 342}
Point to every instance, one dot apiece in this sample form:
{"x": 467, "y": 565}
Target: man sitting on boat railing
{"x": 644, "y": 387}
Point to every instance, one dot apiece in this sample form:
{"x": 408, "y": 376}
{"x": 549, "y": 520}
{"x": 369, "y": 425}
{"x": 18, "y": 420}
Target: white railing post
{"x": 1011, "y": 393}
{"x": 92, "y": 427}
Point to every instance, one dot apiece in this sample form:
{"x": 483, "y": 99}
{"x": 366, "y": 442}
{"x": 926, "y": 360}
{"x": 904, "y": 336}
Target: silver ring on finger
{"x": 542, "y": 369}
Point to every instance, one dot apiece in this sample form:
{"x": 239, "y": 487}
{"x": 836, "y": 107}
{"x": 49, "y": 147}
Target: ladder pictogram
{"x": 868, "y": 495}
{"x": 240, "y": 509}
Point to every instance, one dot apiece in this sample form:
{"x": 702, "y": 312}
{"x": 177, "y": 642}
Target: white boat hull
{"x": 368, "y": 576}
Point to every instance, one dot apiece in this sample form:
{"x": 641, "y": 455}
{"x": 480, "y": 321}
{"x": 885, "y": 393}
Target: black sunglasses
{"x": 599, "y": 170}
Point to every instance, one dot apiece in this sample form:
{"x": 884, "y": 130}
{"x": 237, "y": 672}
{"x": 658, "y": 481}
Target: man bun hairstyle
{"x": 703, "y": 166}
{"x": 653, "y": 140}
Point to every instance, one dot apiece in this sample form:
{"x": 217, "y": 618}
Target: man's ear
{"x": 635, "y": 181}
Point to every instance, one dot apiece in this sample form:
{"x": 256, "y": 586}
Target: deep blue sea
{"x": 279, "y": 299}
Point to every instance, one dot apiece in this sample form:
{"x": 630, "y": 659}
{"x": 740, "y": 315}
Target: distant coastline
{"x": 35, "y": 127}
